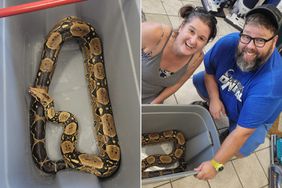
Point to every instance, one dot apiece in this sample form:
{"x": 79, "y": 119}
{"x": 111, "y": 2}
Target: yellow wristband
{"x": 218, "y": 166}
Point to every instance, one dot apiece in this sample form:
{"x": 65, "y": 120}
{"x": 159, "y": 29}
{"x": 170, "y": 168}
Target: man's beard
{"x": 254, "y": 64}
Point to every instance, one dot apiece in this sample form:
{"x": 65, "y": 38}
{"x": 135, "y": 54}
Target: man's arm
{"x": 228, "y": 149}
{"x": 233, "y": 143}
{"x": 216, "y": 106}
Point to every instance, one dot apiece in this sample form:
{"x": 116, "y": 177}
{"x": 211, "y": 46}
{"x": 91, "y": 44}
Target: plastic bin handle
{"x": 34, "y": 6}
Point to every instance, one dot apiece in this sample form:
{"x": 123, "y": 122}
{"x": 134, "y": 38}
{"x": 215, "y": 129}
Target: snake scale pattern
{"x": 107, "y": 161}
{"x": 162, "y": 160}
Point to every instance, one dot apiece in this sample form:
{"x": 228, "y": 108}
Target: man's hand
{"x": 216, "y": 108}
{"x": 205, "y": 171}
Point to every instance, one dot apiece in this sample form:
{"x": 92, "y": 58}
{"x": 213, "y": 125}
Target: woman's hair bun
{"x": 186, "y": 10}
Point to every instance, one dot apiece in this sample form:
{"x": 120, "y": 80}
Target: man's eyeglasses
{"x": 259, "y": 42}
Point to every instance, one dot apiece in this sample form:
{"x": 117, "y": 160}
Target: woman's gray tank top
{"x": 152, "y": 83}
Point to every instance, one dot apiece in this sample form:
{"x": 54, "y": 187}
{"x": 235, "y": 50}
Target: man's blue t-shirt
{"x": 250, "y": 98}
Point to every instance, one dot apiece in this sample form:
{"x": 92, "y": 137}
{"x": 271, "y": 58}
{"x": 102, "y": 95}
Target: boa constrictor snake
{"x": 42, "y": 109}
{"x": 162, "y": 160}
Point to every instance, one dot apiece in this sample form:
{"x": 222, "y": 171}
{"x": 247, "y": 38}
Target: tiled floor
{"x": 250, "y": 172}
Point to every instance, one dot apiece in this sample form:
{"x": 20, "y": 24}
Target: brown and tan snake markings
{"x": 42, "y": 109}
{"x": 162, "y": 160}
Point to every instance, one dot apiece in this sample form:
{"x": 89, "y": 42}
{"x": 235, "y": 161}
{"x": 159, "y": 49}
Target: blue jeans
{"x": 258, "y": 135}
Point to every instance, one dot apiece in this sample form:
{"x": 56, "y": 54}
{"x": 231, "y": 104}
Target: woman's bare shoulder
{"x": 153, "y": 32}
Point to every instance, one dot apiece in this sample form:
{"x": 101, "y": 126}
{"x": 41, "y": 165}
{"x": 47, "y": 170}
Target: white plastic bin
{"x": 197, "y": 125}
{"x": 118, "y": 24}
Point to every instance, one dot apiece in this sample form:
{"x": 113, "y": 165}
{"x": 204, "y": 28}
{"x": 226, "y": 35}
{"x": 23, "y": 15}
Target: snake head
{"x": 41, "y": 96}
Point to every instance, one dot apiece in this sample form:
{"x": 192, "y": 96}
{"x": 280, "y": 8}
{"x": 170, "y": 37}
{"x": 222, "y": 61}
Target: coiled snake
{"x": 177, "y": 154}
{"x": 42, "y": 105}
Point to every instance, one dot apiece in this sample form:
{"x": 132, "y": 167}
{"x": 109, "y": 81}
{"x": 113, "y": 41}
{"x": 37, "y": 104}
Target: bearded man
{"x": 242, "y": 79}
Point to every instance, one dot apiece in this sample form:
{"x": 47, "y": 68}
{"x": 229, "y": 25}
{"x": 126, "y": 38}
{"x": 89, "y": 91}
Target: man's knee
{"x": 198, "y": 79}
{"x": 199, "y": 83}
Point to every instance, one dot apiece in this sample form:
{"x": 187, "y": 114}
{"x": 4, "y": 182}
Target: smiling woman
{"x": 169, "y": 57}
